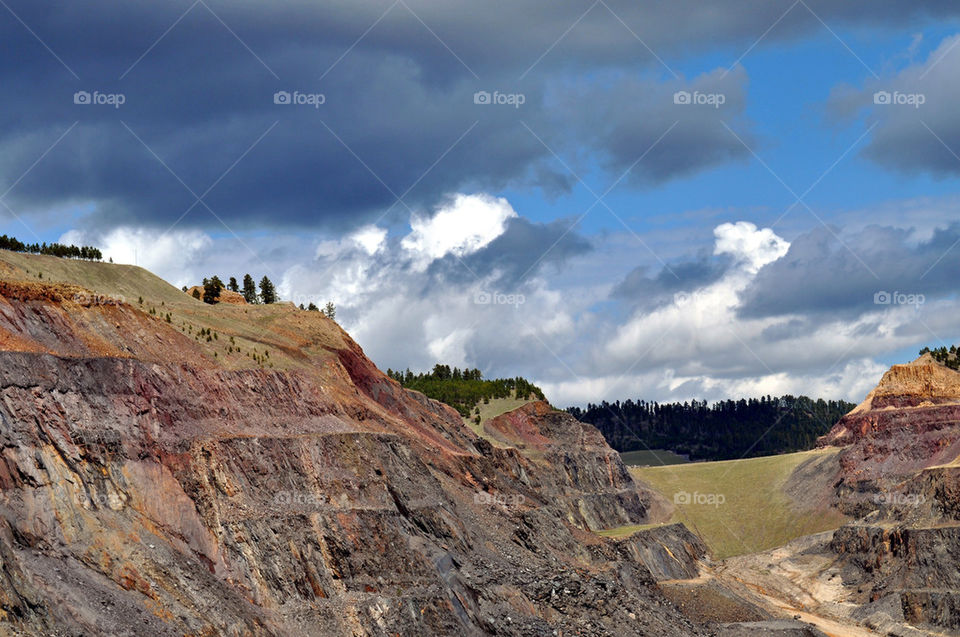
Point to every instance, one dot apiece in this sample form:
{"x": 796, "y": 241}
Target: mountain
{"x": 175, "y": 468}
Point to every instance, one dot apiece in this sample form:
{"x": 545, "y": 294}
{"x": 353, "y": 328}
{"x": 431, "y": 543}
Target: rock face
{"x": 910, "y": 421}
{"x": 900, "y": 475}
{"x": 148, "y": 488}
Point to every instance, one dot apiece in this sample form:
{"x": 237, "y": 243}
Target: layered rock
{"x": 900, "y": 476}
{"x": 910, "y": 421}
{"x": 146, "y": 487}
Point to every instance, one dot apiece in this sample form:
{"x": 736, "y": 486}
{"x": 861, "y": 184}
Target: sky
{"x": 616, "y": 200}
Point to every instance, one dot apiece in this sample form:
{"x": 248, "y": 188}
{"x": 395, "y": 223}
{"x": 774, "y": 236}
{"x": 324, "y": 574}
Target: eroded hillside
{"x": 246, "y": 470}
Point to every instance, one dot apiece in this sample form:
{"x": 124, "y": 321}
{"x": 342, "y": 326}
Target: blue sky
{"x": 697, "y": 275}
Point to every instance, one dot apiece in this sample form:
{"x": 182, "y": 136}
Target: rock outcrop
{"x": 900, "y": 475}
{"x": 910, "y": 421}
{"x": 226, "y": 296}
{"x": 150, "y": 484}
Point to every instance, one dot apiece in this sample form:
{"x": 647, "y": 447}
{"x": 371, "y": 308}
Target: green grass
{"x": 742, "y": 507}
{"x": 494, "y": 408}
{"x": 652, "y": 458}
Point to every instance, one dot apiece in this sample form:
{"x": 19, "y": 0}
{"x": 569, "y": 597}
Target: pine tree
{"x": 268, "y": 293}
{"x": 211, "y": 290}
{"x": 232, "y": 285}
{"x": 330, "y": 310}
{"x": 249, "y": 289}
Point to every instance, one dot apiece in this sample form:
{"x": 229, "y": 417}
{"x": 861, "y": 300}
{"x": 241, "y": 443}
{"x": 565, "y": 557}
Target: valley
{"x": 172, "y": 467}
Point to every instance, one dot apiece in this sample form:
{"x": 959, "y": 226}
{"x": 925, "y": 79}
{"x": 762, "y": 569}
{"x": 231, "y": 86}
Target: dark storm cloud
{"x": 650, "y": 291}
{"x": 819, "y": 275}
{"x": 399, "y": 111}
{"x": 914, "y": 114}
{"x": 524, "y": 249}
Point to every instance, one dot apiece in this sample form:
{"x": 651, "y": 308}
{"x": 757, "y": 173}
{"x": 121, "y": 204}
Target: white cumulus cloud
{"x": 465, "y": 225}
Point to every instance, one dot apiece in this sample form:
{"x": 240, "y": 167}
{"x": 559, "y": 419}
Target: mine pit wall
{"x": 910, "y": 547}
{"x": 885, "y": 449}
{"x": 252, "y": 502}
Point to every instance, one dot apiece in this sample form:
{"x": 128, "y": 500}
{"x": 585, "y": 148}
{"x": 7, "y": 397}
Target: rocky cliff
{"x": 172, "y": 468}
{"x": 910, "y": 421}
{"x": 900, "y": 475}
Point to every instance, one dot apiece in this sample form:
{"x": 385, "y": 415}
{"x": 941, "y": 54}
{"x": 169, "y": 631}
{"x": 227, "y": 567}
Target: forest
{"x": 948, "y": 357}
{"x": 463, "y": 389}
{"x": 727, "y": 429}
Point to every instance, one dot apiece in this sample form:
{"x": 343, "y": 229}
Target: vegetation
{"x": 268, "y": 293}
{"x": 727, "y": 429}
{"x": 948, "y": 357}
{"x": 652, "y": 458}
{"x": 88, "y": 253}
{"x": 249, "y": 289}
{"x": 213, "y": 286}
{"x": 211, "y": 290}
{"x": 739, "y": 506}
{"x": 465, "y": 389}
{"x": 330, "y": 310}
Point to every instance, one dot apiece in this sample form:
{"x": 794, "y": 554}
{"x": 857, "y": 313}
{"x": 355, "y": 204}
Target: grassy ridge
{"x": 466, "y": 390}
{"x": 739, "y": 506}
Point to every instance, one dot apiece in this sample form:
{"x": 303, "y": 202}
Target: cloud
{"x": 914, "y": 112}
{"x": 650, "y": 291}
{"x": 399, "y": 116}
{"x": 707, "y": 340}
{"x": 748, "y": 246}
{"x": 174, "y": 254}
{"x": 559, "y": 326}
{"x": 824, "y": 273}
{"x": 524, "y": 248}
{"x": 465, "y": 225}
{"x": 370, "y": 238}
{"x": 650, "y": 132}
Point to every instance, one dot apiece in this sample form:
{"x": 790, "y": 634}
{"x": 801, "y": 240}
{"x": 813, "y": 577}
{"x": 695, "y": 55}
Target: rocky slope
{"x": 910, "y": 421}
{"x": 171, "y": 468}
{"x": 901, "y": 476}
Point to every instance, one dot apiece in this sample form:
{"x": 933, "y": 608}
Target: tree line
{"x": 944, "y": 356}
{"x": 726, "y": 430}
{"x": 213, "y": 286}
{"x": 61, "y": 250}
{"x": 464, "y": 389}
